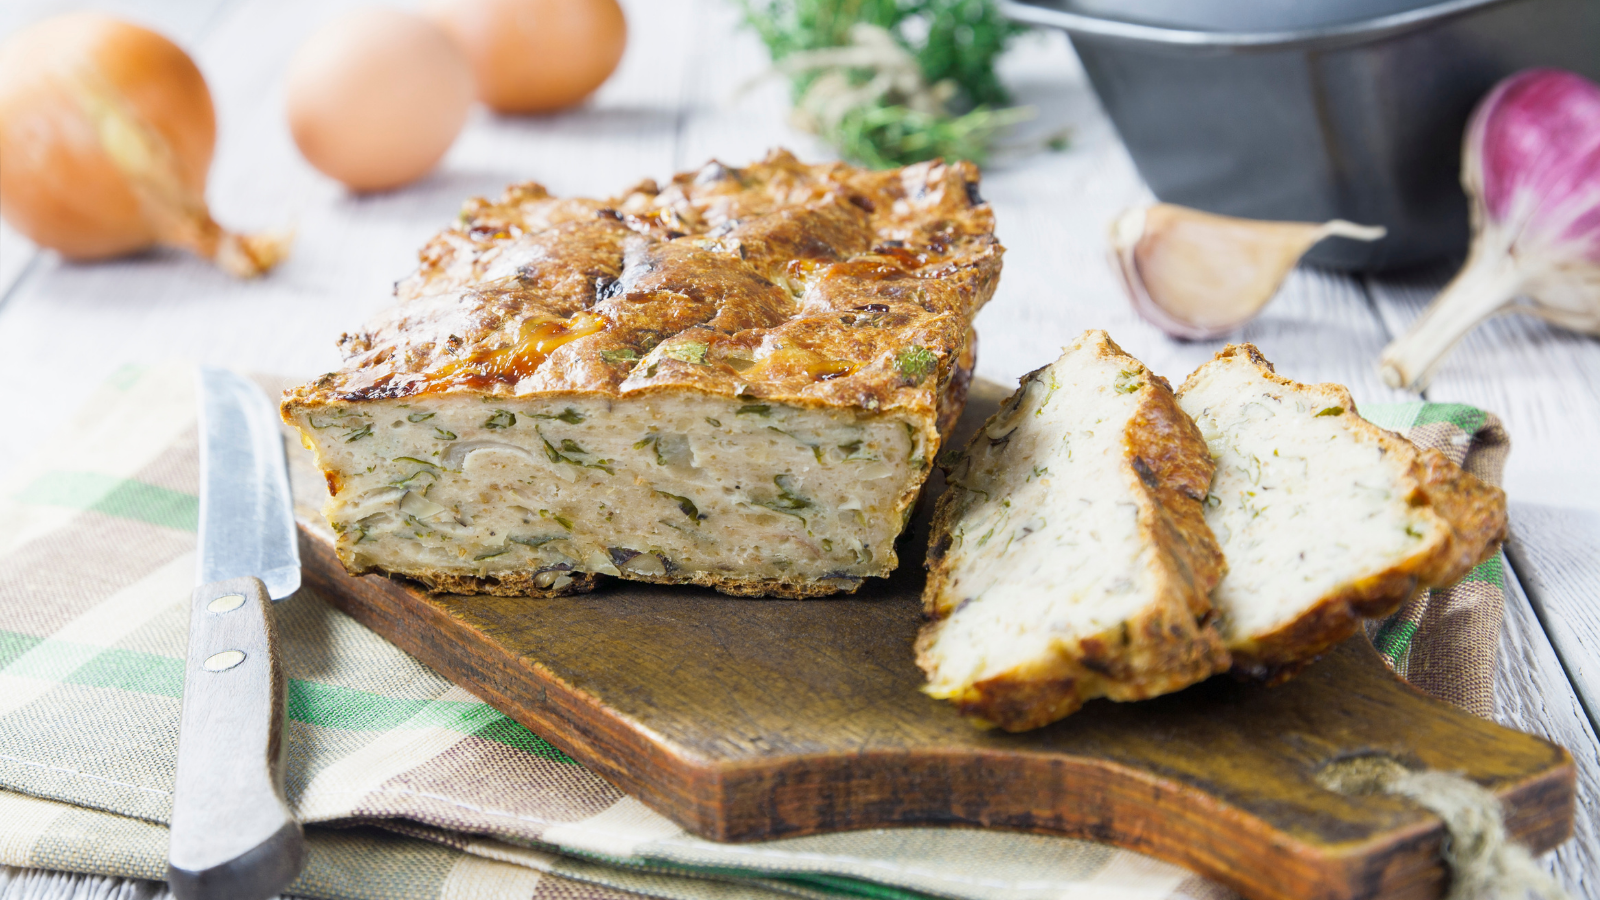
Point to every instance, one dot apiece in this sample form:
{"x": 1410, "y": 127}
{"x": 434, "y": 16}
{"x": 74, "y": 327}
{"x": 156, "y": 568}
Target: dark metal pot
{"x": 1304, "y": 110}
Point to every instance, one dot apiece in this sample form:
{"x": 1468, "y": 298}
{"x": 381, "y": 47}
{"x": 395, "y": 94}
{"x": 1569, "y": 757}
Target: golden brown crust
{"x": 807, "y": 285}
{"x": 953, "y": 393}
{"x": 1474, "y": 513}
{"x": 1170, "y": 456}
{"x": 820, "y": 286}
{"x": 1171, "y": 644}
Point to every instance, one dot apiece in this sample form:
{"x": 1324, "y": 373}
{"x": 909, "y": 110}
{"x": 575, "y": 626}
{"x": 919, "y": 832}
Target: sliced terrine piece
{"x": 1325, "y": 518}
{"x": 1070, "y": 558}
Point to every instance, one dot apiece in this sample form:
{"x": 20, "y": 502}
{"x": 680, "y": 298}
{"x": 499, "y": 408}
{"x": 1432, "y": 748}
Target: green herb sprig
{"x": 956, "y": 111}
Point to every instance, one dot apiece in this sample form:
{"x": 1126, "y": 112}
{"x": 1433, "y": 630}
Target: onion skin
{"x": 106, "y": 136}
{"x": 535, "y": 56}
{"x": 1530, "y": 164}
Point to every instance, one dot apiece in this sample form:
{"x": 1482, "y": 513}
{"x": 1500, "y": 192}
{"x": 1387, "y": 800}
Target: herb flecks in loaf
{"x": 738, "y": 379}
{"x": 1325, "y": 518}
{"x": 1070, "y": 558}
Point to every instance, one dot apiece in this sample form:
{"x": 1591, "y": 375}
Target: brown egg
{"x": 377, "y": 96}
{"x": 532, "y": 56}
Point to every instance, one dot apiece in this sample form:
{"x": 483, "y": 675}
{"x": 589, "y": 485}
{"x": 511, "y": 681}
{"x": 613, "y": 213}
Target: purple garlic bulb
{"x": 1530, "y": 164}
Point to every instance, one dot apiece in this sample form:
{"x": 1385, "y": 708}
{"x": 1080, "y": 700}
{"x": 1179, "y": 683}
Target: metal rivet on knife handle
{"x": 221, "y": 662}
{"x": 226, "y": 603}
{"x": 232, "y": 835}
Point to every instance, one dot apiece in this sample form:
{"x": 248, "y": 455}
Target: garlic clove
{"x": 1198, "y": 275}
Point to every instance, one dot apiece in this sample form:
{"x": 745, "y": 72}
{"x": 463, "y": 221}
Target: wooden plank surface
{"x": 1556, "y": 556}
{"x": 1533, "y": 695}
{"x": 667, "y": 108}
{"x": 38, "y": 884}
{"x": 16, "y": 255}
{"x": 1542, "y": 381}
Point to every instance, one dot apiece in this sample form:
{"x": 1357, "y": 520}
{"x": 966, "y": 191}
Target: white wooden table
{"x": 65, "y": 328}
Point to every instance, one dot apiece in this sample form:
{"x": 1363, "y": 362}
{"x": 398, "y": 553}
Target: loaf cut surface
{"x": 1324, "y": 517}
{"x": 737, "y": 380}
{"x": 1070, "y": 557}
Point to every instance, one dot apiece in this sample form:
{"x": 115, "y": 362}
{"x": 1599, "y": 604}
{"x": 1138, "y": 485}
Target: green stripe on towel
{"x": 331, "y": 706}
{"x": 1394, "y": 640}
{"x": 314, "y": 703}
{"x": 1467, "y": 418}
{"x": 13, "y": 645}
{"x": 1393, "y": 416}
{"x": 120, "y": 497}
{"x": 1490, "y": 571}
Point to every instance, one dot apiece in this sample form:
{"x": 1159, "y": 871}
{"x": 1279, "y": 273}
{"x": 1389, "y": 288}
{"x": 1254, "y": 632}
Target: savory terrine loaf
{"x": 1070, "y": 557}
{"x": 1325, "y": 518}
{"x": 735, "y": 380}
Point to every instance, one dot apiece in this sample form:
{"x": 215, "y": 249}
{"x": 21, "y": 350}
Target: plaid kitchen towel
{"x": 355, "y": 863}
{"x": 412, "y": 787}
{"x": 1444, "y": 641}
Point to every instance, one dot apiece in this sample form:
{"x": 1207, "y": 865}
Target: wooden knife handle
{"x": 233, "y": 835}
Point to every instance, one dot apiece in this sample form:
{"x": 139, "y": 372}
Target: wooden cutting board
{"x": 751, "y": 719}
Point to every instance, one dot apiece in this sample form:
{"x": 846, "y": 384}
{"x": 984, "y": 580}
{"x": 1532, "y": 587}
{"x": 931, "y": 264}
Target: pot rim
{"x": 1203, "y": 42}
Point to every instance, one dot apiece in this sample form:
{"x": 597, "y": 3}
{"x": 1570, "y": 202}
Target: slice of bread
{"x": 1070, "y": 557}
{"x": 1325, "y": 518}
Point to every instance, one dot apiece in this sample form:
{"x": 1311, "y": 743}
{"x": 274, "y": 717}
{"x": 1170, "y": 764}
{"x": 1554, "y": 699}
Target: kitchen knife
{"x": 233, "y": 835}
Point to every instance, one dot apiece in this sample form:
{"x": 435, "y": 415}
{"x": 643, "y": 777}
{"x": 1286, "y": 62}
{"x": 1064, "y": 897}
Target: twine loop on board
{"x": 1484, "y": 863}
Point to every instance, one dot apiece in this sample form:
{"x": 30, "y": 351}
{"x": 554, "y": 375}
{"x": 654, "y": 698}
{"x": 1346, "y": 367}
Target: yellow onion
{"x": 106, "y": 134}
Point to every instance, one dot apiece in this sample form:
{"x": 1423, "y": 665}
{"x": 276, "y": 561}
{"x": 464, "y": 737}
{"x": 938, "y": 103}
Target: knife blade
{"x": 232, "y": 833}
